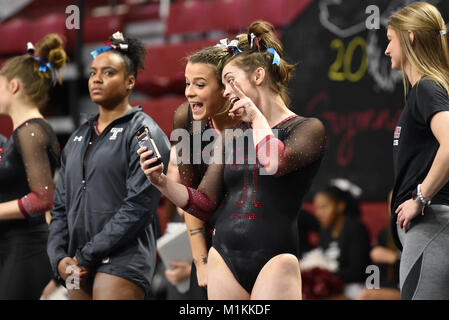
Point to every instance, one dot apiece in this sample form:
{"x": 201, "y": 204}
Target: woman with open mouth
{"x": 205, "y": 112}
{"x": 253, "y": 255}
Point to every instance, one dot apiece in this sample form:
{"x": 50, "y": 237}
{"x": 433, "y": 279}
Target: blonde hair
{"x": 252, "y": 58}
{"x": 36, "y": 84}
{"x": 428, "y": 53}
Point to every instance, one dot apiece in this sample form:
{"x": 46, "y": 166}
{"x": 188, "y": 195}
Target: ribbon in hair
{"x": 254, "y": 41}
{"x": 276, "y": 57}
{"x": 96, "y": 52}
{"x": 232, "y": 46}
{"x": 43, "y": 68}
{"x": 30, "y": 48}
{"x": 121, "y": 47}
{"x": 118, "y": 36}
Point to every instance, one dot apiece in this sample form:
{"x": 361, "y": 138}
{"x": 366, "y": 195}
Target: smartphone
{"x": 144, "y": 139}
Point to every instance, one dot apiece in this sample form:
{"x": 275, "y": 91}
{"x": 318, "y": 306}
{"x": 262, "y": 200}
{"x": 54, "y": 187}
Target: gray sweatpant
{"x": 424, "y": 266}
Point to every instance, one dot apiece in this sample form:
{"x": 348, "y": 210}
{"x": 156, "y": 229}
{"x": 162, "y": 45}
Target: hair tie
{"x": 443, "y": 32}
{"x": 254, "y": 41}
{"x": 232, "y": 46}
{"x": 118, "y": 36}
{"x": 43, "y": 68}
{"x": 276, "y": 57}
{"x": 30, "y": 48}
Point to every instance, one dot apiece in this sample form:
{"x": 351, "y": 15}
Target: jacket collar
{"x": 91, "y": 121}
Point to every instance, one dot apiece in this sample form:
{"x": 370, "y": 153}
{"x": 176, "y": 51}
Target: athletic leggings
{"x": 424, "y": 266}
{"x": 24, "y": 265}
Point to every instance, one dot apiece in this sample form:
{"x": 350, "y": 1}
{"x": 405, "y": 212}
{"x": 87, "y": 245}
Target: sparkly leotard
{"x": 257, "y": 217}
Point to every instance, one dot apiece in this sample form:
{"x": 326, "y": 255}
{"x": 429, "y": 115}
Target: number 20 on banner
{"x": 341, "y": 68}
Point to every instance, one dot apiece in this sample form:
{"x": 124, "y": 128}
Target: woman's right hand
{"x": 154, "y": 174}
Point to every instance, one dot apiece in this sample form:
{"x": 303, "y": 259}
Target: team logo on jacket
{"x": 115, "y": 132}
{"x": 78, "y": 138}
{"x": 397, "y": 135}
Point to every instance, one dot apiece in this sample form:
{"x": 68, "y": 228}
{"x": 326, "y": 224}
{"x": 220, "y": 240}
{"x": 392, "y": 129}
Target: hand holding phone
{"x": 144, "y": 139}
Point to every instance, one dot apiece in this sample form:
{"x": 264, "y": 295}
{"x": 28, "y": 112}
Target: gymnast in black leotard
{"x": 203, "y": 113}
{"x": 257, "y": 188}
{"x": 28, "y": 160}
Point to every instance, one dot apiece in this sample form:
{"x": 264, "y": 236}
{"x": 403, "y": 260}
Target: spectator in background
{"x": 28, "y": 160}
{"x": 344, "y": 239}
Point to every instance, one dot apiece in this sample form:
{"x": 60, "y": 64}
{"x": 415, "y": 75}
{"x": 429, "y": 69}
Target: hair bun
{"x": 50, "y": 48}
{"x": 267, "y": 33}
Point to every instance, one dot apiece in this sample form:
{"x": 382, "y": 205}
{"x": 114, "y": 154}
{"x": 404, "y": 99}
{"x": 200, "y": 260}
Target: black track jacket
{"x": 105, "y": 210}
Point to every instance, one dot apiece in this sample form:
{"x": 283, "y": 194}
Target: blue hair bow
{"x": 276, "y": 57}
{"x": 95, "y": 53}
{"x": 43, "y": 68}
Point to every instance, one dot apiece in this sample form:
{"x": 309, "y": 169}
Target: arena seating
{"x": 164, "y": 68}
{"x": 230, "y": 15}
{"x": 161, "y": 110}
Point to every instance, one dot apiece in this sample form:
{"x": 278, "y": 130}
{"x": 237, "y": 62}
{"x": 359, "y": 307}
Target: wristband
{"x": 418, "y": 197}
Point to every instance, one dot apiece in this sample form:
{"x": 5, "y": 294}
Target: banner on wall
{"x": 344, "y": 78}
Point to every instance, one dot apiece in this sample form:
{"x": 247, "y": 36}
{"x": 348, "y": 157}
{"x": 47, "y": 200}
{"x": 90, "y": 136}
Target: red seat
{"x": 142, "y": 12}
{"x": 162, "y": 110}
{"x": 164, "y": 67}
{"x": 51, "y": 23}
{"x": 186, "y": 17}
{"x": 230, "y": 15}
{"x": 99, "y": 29}
{"x": 15, "y": 35}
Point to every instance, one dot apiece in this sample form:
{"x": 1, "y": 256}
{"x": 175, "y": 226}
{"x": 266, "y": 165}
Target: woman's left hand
{"x": 244, "y": 108}
{"x": 406, "y": 212}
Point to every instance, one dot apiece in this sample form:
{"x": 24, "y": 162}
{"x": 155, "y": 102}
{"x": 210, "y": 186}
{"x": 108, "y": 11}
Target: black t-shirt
{"x": 414, "y": 145}
{"x": 349, "y": 252}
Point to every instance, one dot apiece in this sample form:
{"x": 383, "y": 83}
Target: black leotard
{"x": 191, "y": 173}
{"x": 28, "y": 160}
{"x": 257, "y": 219}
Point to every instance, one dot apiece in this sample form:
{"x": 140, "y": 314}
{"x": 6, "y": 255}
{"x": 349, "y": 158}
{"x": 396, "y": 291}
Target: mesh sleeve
{"x": 33, "y": 142}
{"x": 305, "y": 143}
{"x": 203, "y": 201}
